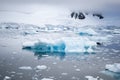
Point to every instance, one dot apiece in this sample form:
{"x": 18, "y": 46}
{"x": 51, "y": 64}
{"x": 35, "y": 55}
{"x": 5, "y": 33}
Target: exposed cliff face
{"x": 100, "y": 16}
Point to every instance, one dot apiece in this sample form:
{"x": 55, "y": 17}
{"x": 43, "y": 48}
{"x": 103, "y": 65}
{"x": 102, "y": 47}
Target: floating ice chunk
{"x": 45, "y": 47}
{"x": 14, "y": 52}
{"x": 78, "y": 44}
{"x": 7, "y": 78}
{"x": 47, "y": 79}
{"x": 111, "y": 74}
{"x": 64, "y": 74}
{"x": 92, "y": 78}
{"x": 64, "y": 44}
{"x": 41, "y": 67}
{"x": 113, "y": 67}
{"x": 28, "y": 44}
{"x": 54, "y": 63}
{"x": 13, "y": 72}
{"x": 25, "y": 68}
{"x": 77, "y": 69}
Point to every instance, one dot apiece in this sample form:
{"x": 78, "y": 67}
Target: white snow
{"x": 92, "y": 78}
{"x": 113, "y": 67}
{"x": 41, "y": 67}
{"x": 29, "y": 43}
{"x": 25, "y": 68}
{"x": 7, "y": 78}
{"x": 47, "y": 79}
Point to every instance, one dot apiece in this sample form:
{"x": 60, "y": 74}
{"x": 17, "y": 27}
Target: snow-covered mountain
{"x": 52, "y": 14}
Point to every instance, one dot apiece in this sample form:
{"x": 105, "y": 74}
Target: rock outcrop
{"x": 81, "y": 15}
{"x": 98, "y": 15}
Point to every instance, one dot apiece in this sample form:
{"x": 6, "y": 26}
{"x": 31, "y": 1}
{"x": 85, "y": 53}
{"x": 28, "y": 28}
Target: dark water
{"x": 60, "y": 66}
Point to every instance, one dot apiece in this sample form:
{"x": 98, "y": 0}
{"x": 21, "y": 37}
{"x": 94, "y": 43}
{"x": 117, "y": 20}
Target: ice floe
{"x": 7, "y": 78}
{"x": 113, "y": 67}
{"x": 41, "y": 67}
{"x": 26, "y": 68}
{"x": 92, "y": 78}
{"x": 111, "y": 74}
{"x": 47, "y": 79}
{"x": 77, "y": 69}
{"x": 64, "y": 74}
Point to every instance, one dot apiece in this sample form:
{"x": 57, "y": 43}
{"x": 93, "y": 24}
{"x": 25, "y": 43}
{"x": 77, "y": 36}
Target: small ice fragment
{"x": 41, "y": 67}
{"x": 13, "y": 72}
{"x": 45, "y": 55}
{"x": 19, "y": 73}
{"x": 113, "y": 67}
{"x": 74, "y": 66}
{"x": 92, "y": 78}
{"x": 14, "y": 52}
{"x": 64, "y": 73}
{"x": 12, "y": 75}
{"x": 47, "y": 79}
{"x": 73, "y": 77}
{"x": 25, "y": 68}
{"x": 54, "y": 63}
{"x": 7, "y": 78}
{"x": 77, "y": 69}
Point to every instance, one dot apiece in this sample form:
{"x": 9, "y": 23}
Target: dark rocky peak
{"x": 100, "y": 16}
{"x": 77, "y": 15}
{"x": 82, "y": 15}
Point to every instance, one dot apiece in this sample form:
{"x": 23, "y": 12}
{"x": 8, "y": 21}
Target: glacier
{"x": 64, "y": 45}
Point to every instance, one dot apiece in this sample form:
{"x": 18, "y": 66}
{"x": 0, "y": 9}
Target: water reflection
{"x": 60, "y": 55}
{"x": 40, "y": 55}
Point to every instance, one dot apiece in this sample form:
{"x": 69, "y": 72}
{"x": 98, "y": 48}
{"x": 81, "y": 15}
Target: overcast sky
{"x": 69, "y": 3}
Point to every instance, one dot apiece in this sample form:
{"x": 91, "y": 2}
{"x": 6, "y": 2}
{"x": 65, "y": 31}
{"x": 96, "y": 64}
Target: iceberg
{"x": 43, "y": 47}
{"x": 64, "y": 44}
{"x": 113, "y": 67}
